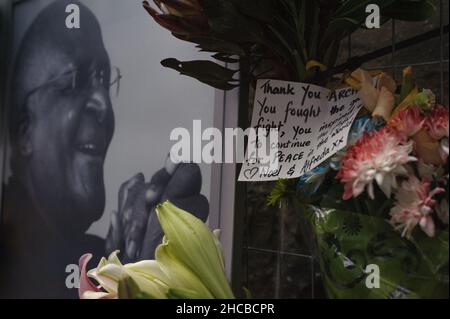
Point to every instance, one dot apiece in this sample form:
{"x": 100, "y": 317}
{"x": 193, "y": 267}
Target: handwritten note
{"x": 313, "y": 124}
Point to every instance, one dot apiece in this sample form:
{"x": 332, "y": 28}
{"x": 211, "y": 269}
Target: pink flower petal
{"x": 85, "y": 282}
{"x": 437, "y": 122}
{"x": 378, "y": 155}
{"x": 427, "y": 225}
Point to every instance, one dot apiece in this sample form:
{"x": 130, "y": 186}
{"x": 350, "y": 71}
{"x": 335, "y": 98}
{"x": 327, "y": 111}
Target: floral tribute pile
{"x": 383, "y": 200}
{"x": 381, "y": 204}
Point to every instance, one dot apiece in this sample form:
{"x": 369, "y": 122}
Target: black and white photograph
{"x": 90, "y": 111}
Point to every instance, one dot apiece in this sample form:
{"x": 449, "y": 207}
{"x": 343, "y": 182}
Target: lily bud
{"x": 193, "y": 245}
{"x": 189, "y": 264}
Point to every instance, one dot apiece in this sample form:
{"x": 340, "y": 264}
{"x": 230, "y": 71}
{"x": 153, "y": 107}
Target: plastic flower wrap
{"x": 189, "y": 265}
{"x": 349, "y": 243}
{"x": 384, "y": 201}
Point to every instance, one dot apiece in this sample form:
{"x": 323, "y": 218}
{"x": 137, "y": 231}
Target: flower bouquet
{"x": 381, "y": 204}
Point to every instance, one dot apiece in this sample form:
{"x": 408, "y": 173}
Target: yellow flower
{"x": 385, "y": 104}
{"x": 377, "y": 98}
{"x": 428, "y": 148}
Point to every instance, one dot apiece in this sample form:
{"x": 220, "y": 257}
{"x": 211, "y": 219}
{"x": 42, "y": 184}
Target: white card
{"x": 313, "y": 124}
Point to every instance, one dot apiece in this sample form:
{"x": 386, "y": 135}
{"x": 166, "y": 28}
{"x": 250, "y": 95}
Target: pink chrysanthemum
{"x": 408, "y": 121}
{"x": 437, "y": 123}
{"x": 414, "y": 206}
{"x": 379, "y": 156}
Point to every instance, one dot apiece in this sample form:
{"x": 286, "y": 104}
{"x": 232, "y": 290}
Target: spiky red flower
{"x": 378, "y": 156}
{"x": 181, "y": 17}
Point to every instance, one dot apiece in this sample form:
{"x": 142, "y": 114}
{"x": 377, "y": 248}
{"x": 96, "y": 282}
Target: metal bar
{"x": 383, "y": 67}
{"x": 394, "y": 68}
{"x": 275, "y": 252}
{"x": 357, "y": 61}
{"x": 240, "y": 204}
{"x": 349, "y": 46}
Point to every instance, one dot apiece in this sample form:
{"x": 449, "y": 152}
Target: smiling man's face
{"x": 65, "y": 90}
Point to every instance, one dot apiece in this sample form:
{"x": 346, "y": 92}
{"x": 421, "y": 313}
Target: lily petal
{"x": 85, "y": 283}
{"x": 97, "y": 295}
{"x": 180, "y": 276}
{"x": 194, "y": 244}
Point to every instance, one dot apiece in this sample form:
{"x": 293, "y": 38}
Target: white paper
{"x": 313, "y": 124}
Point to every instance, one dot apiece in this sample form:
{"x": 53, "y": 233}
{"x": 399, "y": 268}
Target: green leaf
{"x": 331, "y": 54}
{"x": 339, "y": 28}
{"x": 128, "y": 289}
{"x": 314, "y": 36}
{"x": 248, "y": 294}
{"x": 227, "y": 23}
{"x": 221, "y": 47}
{"x": 178, "y": 293}
{"x": 283, "y": 190}
{"x": 301, "y": 22}
{"x": 225, "y": 58}
{"x": 434, "y": 250}
{"x": 206, "y": 72}
{"x": 261, "y": 10}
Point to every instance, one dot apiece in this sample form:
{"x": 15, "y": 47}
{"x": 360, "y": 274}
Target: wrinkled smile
{"x": 92, "y": 149}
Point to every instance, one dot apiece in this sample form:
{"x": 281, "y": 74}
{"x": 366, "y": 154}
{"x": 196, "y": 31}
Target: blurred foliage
{"x": 285, "y": 34}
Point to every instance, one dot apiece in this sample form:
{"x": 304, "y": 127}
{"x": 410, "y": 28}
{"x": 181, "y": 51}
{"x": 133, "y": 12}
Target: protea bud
{"x": 181, "y": 17}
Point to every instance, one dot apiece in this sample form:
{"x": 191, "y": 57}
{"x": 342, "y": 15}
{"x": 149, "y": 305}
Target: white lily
{"x": 109, "y": 272}
{"x": 195, "y": 247}
{"x": 189, "y": 264}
